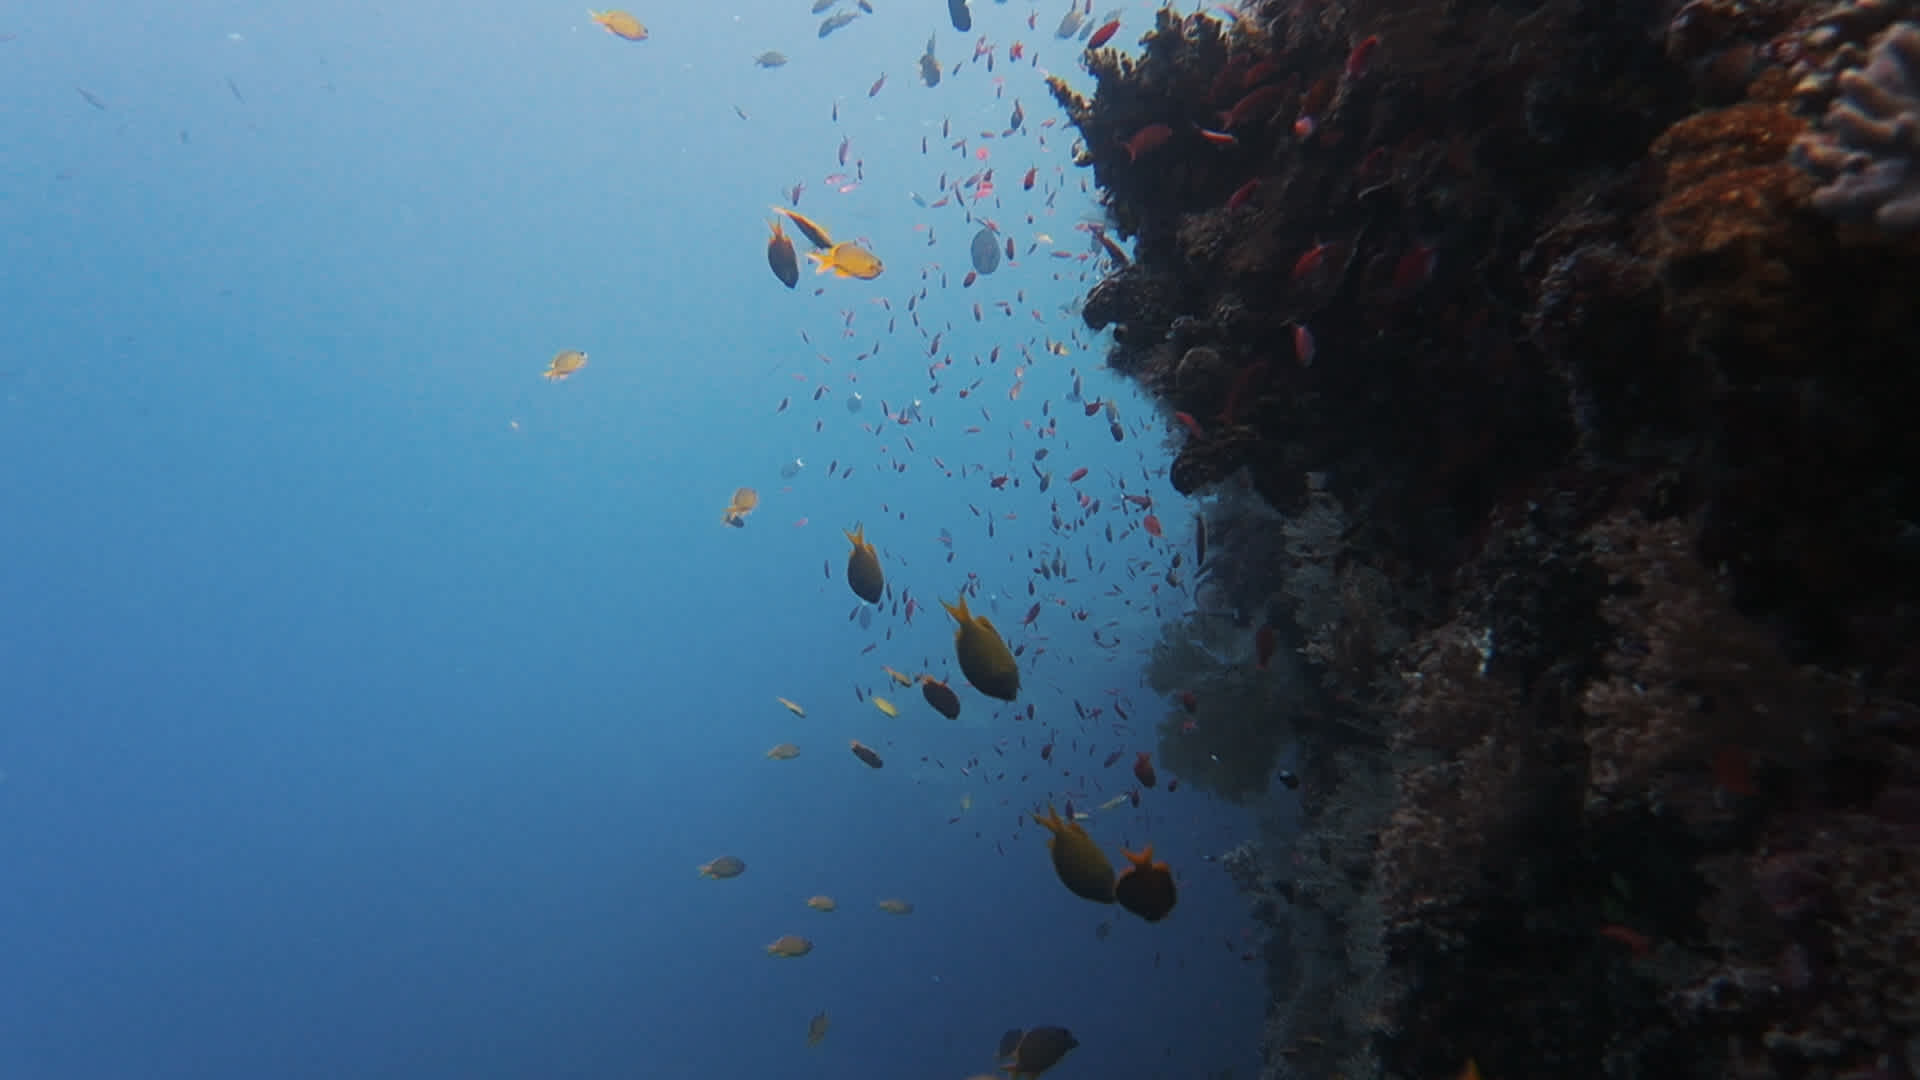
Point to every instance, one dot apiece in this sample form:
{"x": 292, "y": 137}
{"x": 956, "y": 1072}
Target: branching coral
{"x": 1867, "y": 148}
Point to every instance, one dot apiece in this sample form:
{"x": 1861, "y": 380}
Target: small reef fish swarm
{"x": 1549, "y": 370}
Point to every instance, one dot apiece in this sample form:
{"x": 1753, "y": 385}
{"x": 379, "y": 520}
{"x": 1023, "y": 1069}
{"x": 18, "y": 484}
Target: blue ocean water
{"x": 369, "y": 701}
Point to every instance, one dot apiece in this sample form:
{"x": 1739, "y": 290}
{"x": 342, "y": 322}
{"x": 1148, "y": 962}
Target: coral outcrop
{"x": 1550, "y": 370}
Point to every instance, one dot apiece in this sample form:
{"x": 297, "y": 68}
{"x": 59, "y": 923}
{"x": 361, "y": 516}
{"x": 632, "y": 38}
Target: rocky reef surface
{"x": 1547, "y": 372}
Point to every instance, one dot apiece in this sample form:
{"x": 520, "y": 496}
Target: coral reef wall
{"x": 1550, "y": 370}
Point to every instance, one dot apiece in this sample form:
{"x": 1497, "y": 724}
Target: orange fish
{"x": 1103, "y": 35}
{"x": 620, "y": 24}
{"x": 1145, "y": 887}
{"x": 1152, "y": 525}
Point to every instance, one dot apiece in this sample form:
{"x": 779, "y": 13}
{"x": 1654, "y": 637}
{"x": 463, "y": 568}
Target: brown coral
{"x": 1731, "y": 232}
{"x": 1690, "y": 677}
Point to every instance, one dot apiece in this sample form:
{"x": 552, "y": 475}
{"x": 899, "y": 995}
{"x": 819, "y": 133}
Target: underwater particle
{"x": 986, "y": 250}
{"x": 865, "y": 753}
{"x": 940, "y": 696}
{"x": 896, "y": 907}
{"x": 1038, "y": 1050}
{"x": 744, "y": 501}
{"x": 1145, "y": 887}
{"x": 847, "y": 260}
{"x": 817, "y": 1027}
{"x": 985, "y": 660}
{"x": 789, "y": 946}
{"x": 1080, "y": 864}
{"x": 886, "y": 707}
{"x": 726, "y": 866}
{"x": 785, "y": 751}
{"x": 822, "y": 903}
{"x": 781, "y": 258}
{"x": 620, "y": 24}
{"x": 792, "y": 706}
{"x": 864, "y": 575}
{"x": 563, "y": 364}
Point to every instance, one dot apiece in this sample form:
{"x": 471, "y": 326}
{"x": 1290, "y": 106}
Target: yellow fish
{"x": 744, "y": 500}
{"x": 848, "y": 260}
{"x": 793, "y": 707}
{"x": 984, "y": 658}
{"x": 780, "y": 257}
{"x": 564, "y": 364}
{"x": 788, "y": 946}
{"x": 620, "y": 24}
{"x": 864, "y": 575}
{"x": 1081, "y": 865}
{"x": 885, "y": 706}
{"x": 900, "y": 677}
{"x": 815, "y": 232}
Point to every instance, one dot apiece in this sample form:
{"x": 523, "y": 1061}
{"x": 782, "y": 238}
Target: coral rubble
{"x": 1548, "y": 368}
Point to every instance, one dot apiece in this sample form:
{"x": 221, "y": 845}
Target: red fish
{"x": 1189, "y": 701}
{"x": 1414, "y": 269}
{"x": 1152, "y": 525}
{"x": 1143, "y": 770}
{"x": 1264, "y": 640}
{"x": 1147, "y": 140}
{"x": 1242, "y": 194}
{"x": 1633, "y": 939}
{"x": 1303, "y": 347}
{"x": 1257, "y": 103}
{"x": 877, "y": 84}
{"x": 1026, "y": 183}
{"x": 1313, "y": 259}
{"x": 1103, "y": 35}
{"x": 1363, "y": 52}
{"x": 1077, "y": 475}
